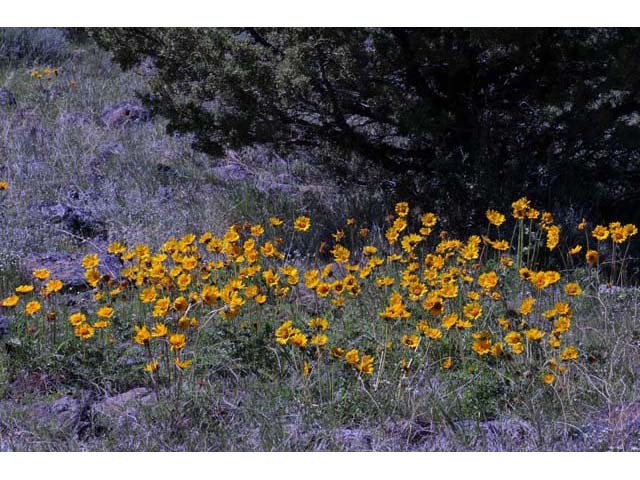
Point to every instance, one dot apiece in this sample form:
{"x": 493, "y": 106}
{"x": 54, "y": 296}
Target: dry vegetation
{"x": 356, "y": 324}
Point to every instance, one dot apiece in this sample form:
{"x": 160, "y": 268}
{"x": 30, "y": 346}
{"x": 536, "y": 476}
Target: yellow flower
{"x": 472, "y": 310}
{"x": 569, "y": 353}
{"x": 449, "y": 320}
{"x": 183, "y": 364}
{"x": 257, "y": 230}
{"x": 148, "y": 295}
{"x": 561, "y": 325}
{"x": 526, "y": 306}
{"x": 600, "y": 233}
{"x": 352, "y": 357}
{"x": 183, "y": 281}
{"x": 159, "y": 330}
{"x": 551, "y": 277}
{"x": 592, "y": 257}
{"x": 520, "y": 208}
{"x": 563, "y": 308}
{"x": 10, "y": 301}
{"x": 4, "y": 185}
{"x": 411, "y": 341}
{"x": 548, "y": 378}
{"x": 177, "y": 341}
{"x": 553, "y": 237}
{"x": 189, "y": 263}
{"x": 306, "y": 370}
{"x": 319, "y": 340}
{"x": 320, "y": 323}
{"x": 298, "y": 339}
{"x": 116, "y": 248}
{"x": 180, "y": 304}
{"x": 101, "y": 324}
{"x": 32, "y": 307}
{"x": 340, "y": 254}
{"x": 53, "y": 286}
{"x": 24, "y": 289}
{"x": 429, "y": 220}
{"x": 91, "y": 261}
{"x": 302, "y": 224}
{"x": 488, "y": 280}
{"x": 92, "y": 276}
{"x": 142, "y": 335}
{"x": 105, "y": 312}
{"x": 554, "y": 341}
{"x": 410, "y": 241}
{"x": 366, "y": 365}
{"x": 284, "y": 331}
{"x": 572, "y": 289}
{"x": 275, "y": 222}
{"x": 506, "y": 261}
{"x": 495, "y": 217}
{"x": 482, "y": 344}
{"x": 161, "y": 307}
{"x": 576, "y": 249}
{"x": 630, "y": 229}
{"x": 184, "y": 322}
{"x": 337, "y": 352}
{"x": 84, "y": 331}
{"x": 77, "y": 318}
{"x": 533, "y": 334}
{"x": 152, "y": 366}
{"x": 402, "y": 209}
{"x": 582, "y": 224}
{"x": 323, "y": 289}
{"x": 447, "y": 363}
{"x": 513, "y": 338}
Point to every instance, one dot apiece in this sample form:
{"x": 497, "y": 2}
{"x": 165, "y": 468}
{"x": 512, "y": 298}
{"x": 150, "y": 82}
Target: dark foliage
{"x": 462, "y": 119}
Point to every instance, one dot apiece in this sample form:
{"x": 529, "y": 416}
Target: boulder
{"x": 108, "y": 151}
{"x": 231, "y": 172}
{"x": 74, "y": 220}
{"x": 74, "y": 118}
{"x": 64, "y": 412}
{"x": 123, "y": 408}
{"x": 124, "y": 114}
{"x": 6, "y": 97}
{"x": 68, "y": 267}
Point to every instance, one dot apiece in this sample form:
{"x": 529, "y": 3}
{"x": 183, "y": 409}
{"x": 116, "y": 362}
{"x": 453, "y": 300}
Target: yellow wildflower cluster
{"x": 473, "y": 299}
{"x": 46, "y": 73}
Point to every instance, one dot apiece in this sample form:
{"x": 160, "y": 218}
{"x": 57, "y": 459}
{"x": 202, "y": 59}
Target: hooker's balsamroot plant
{"x": 372, "y": 312}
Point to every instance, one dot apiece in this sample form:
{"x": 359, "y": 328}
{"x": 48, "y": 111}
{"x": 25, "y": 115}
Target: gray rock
{"x": 106, "y": 152}
{"x": 66, "y": 413}
{"x": 6, "y": 97}
{"x": 232, "y": 172}
{"x": 267, "y": 186}
{"x": 76, "y": 221}
{"x": 125, "y": 113}
{"x": 68, "y": 267}
{"x": 123, "y": 408}
{"x": 74, "y": 118}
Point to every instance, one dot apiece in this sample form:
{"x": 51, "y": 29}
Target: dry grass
{"x": 148, "y": 186}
